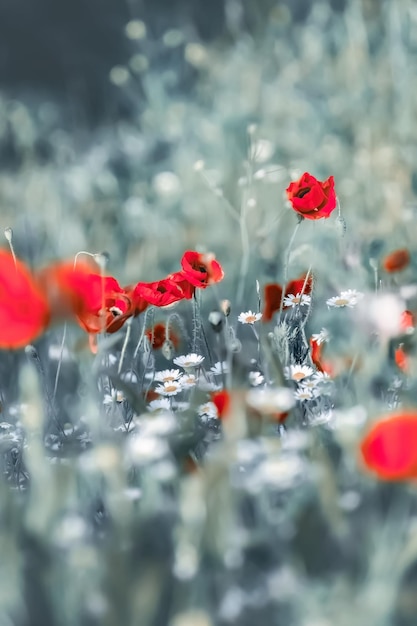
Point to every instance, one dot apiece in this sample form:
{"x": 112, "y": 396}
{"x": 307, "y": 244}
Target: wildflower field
{"x": 208, "y": 295}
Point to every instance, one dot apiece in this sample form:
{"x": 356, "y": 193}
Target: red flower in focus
{"x": 24, "y": 309}
{"x": 183, "y": 284}
{"x": 396, "y": 261}
{"x": 389, "y": 449}
{"x": 311, "y": 198}
{"x": 159, "y": 293}
{"x": 221, "y": 400}
{"x": 273, "y": 294}
{"x": 157, "y": 336}
{"x": 200, "y": 269}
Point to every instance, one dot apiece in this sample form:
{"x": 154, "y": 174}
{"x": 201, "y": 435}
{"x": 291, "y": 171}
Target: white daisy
{"x": 161, "y": 404}
{"x": 187, "y": 381}
{"x": 303, "y": 394}
{"x": 249, "y": 317}
{"x": 322, "y": 337}
{"x": 349, "y": 298}
{"x": 256, "y": 379}
{"x": 322, "y": 377}
{"x": 167, "y": 376}
{"x": 310, "y": 383}
{"x": 169, "y": 389}
{"x": 189, "y": 361}
{"x": 208, "y": 385}
{"x": 298, "y": 372}
{"x": 298, "y": 300}
{"x": 208, "y": 410}
{"x": 219, "y": 368}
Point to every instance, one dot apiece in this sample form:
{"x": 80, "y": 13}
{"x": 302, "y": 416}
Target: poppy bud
{"x": 225, "y": 307}
{"x": 216, "y": 321}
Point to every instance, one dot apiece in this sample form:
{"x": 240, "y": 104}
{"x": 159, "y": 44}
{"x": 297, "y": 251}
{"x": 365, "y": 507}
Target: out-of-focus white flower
{"x": 161, "y": 404}
{"x": 256, "y": 379}
{"x": 270, "y": 400}
{"x": 187, "y": 381}
{"x": 322, "y": 377}
{"x": 309, "y": 383}
{"x": 349, "y": 298}
{"x": 207, "y": 385}
{"x": 298, "y": 300}
{"x": 249, "y": 317}
{"x": 114, "y": 396}
{"x": 302, "y": 394}
{"x": 298, "y": 372}
{"x": 219, "y": 368}
{"x": 322, "y": 337}
{"x": 189, "y": 361}
{"x": 208, "y": 410}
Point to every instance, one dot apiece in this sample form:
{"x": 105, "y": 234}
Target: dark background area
{"x": 66, "y": 48}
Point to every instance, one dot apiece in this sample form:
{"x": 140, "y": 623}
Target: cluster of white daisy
{"x": 188, "y": 375}
{"x": 309, "y": 382}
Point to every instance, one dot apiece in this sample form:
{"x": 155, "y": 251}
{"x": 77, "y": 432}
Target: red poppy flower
{"x": 159, "y": 293}
{"x": 98, "y": 302}
{"x": 200, "y": 269}
{"x": 389, "y": 449}
{"x": 317, "y": 358}
{"x": 312, "y": 198}
{"x": 396, "y": 261}
{"x": 24, "y": 309}
{"x": 157, "y": 336}
{"x": 273, "y": 294}
{"x": 183, "y": 284}
{"x": 272, "y": 300}
{"x": 221, "y": 400}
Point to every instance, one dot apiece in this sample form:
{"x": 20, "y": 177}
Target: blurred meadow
{"x": 136, "y": 130}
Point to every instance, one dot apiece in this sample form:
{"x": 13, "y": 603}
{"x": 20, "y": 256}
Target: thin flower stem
{"x": 58, "y": 370}
{"x": 287, "y": 260}
{"x": 244, "y": 266}
{"x": 8, "y": 233}
{"x": 142, "y": 334}
{"x": 126, "y": 341}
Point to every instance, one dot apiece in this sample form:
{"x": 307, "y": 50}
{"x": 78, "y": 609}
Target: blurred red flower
{"x": 24, "y": 309}
{"x": 312, "y": 198}
{"x": 396, "y": 261}
{"x": 97, "y": 302}
{"x": 221, "y": 400}
{"x": 273, "y": 294}
{"x": 389, "y": 449}
{"x": 157, "y": 336}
